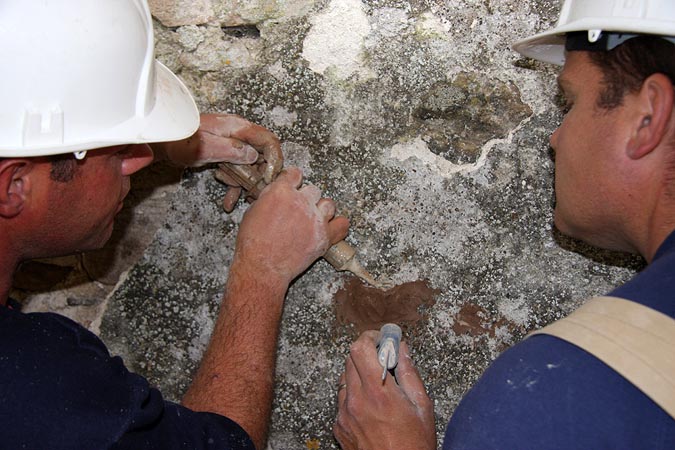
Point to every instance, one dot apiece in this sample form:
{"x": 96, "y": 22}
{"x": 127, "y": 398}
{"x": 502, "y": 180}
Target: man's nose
{"x": 136, "y": 157}
{"x": 553, "y": 140}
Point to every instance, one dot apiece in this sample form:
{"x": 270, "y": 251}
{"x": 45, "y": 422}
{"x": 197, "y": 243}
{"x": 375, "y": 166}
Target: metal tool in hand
{"x": 388, "y": 347}
{"x": 342, "y": 256}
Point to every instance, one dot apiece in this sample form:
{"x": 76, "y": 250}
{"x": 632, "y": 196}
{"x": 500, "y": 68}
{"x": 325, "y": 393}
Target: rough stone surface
{"x": 335, "y": 42}
{"x": 432, "y": 136}
{"x": 173, "y": 13}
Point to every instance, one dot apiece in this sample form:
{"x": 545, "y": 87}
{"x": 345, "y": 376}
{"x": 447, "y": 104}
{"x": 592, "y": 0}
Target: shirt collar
{"x": 668, "y": 246}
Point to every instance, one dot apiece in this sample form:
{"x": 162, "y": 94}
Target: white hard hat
{"x": 634, "y": 17}
{"x": 81, "y": 74}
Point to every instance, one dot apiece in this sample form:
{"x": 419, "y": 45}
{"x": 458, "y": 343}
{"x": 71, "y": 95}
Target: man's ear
{"x": 654, "y": 109}
{"x": 15, "y": 186}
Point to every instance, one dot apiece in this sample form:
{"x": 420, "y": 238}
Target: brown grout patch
{"x": 368, "y": 308}
{"x": 475, "y": 321}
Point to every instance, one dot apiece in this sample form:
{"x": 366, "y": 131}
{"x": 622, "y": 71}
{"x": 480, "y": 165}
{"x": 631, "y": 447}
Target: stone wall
{"x": 432, "y": 136}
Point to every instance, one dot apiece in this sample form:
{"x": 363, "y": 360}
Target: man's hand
{"x": 226, "y": 138}
{"x": 282, "y": 233}
{"x": 287, "y": 228}
{"x": 373, "y": 415}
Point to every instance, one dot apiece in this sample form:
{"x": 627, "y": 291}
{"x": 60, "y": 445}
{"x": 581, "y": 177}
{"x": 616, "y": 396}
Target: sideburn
{"x": 63, "y": 168}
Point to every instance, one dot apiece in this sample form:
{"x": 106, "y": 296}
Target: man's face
{"x": 592, "y": 172}
{"x": 80, "y": 212}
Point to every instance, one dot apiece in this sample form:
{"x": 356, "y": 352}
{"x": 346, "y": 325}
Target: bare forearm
{"x": 236, "y": 376}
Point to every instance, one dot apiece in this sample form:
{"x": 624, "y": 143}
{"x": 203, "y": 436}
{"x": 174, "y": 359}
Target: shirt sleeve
{"x": 177, "y": 427}
{"x": 62, "y": 390}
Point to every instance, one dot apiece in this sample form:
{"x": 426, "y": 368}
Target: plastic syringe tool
{"x": 388, "y": 347}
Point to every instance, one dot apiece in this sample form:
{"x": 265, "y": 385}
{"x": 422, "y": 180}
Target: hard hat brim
{"x": 549, "y": 46}
{"x": 173, "y": 117}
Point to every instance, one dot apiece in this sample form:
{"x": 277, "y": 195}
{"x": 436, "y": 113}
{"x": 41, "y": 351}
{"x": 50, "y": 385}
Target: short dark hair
{"x": 63, "y": 167}
{"x": 627, "y": 66}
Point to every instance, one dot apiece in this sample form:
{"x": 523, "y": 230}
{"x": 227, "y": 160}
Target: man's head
{"x": 624, "y": 71}
{"x": 52, "y": 206}
{"x": 81, "y": 100}
{"x": 615, "y": 143}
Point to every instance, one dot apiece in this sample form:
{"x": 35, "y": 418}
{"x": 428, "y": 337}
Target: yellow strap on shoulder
{"x": 634, "y": 340}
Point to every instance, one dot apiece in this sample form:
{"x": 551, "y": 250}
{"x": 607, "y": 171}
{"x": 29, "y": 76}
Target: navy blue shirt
{"x": 61, "y": 389}
{"x": 546, "y": 394}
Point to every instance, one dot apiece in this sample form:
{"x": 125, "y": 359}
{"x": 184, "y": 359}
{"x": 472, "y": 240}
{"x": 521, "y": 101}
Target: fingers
{"x": 231, "y": 197}
{"x": 341, "y": 390}
{"x": 363, "y": 355}
{"x": 359, "y": 349}
{"x": 352, "y": 376}
{"x": 216, "y": 148}
{"x": 273, "y": 167}
{"x": 338, "y": 229}
{"x": 312, "y": 193}
{"x": 327, "y": 208}
{"x": 233, "y": 190}
{"x": 363, "y": 364}
{"x": 369, "y": 337}
{"x": 376, "y": 415}
{"x": 259, "y": 137}
{"x": 291, "y": 176}
{"x": 343, "y": 436}
{"x": 409, "y": 379}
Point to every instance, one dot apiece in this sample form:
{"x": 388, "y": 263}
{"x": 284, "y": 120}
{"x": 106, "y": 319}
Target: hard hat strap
{"x": 601, "y": 41}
